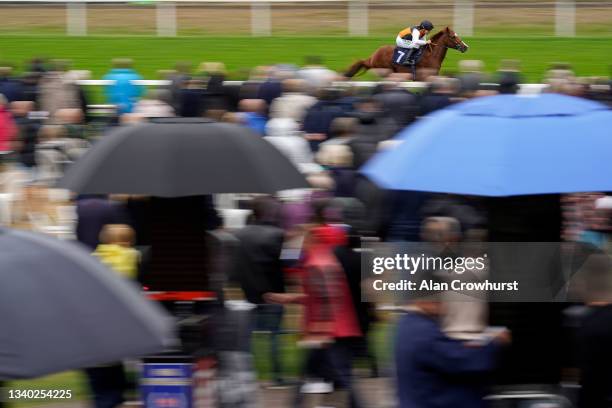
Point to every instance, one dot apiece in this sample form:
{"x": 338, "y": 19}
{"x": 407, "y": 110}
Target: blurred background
{"x": 73, "y": 72}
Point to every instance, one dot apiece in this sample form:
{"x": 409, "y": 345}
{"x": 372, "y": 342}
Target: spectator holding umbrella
{"x": 435, "y": 370}
{"x": 93, "y": 213}
{"x": 595, "y": 335}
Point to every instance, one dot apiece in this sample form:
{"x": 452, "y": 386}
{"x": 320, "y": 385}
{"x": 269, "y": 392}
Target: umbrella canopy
{"x": 182, "y": 157}
{"x": 63, "y": 309}
{"x": 502, "y": 146}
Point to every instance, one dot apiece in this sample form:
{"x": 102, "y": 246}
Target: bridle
{"x": 455, "y": 47}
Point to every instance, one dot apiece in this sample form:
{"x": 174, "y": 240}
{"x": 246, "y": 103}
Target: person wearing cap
{"x": 409, "y": 44}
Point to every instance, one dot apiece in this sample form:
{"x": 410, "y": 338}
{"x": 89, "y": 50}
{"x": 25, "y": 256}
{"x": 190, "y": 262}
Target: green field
{"x": 589, "y": 56}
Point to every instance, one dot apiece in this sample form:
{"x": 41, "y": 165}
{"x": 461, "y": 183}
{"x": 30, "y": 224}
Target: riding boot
{"x": 410, "y": 58}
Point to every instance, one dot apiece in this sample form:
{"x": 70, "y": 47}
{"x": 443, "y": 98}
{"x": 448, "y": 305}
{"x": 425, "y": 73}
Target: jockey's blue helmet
{"x": 426, "y": 25}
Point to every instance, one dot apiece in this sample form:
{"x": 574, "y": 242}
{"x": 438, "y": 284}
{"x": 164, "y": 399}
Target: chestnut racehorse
{"x": 432, "y": 58}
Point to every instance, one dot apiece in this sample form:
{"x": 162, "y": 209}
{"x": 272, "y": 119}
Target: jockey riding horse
{"x": 410, "y": 43}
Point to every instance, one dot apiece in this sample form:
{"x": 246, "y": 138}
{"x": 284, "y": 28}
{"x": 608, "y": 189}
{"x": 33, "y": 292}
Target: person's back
{"x": 93, "y": 213}
{"x": 373, "y": 128}
{"x": 11, "y": 88}
{"x": 284, "y": 134}
{"x": 123, "y": 92}
{"x": 260, "y": 264}
{"x": 28, "y": 132}
{"x": 596, "y": 358}
{"x": 315, "y": 74}
{"x": 293, "y": 103}
{"x": 258, "y": 269}
{"x": 269, "y": 90}
{"x": 436, "y": 371}
{"x": 120, "y": 258}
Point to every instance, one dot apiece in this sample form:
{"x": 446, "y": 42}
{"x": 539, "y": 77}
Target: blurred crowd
{"x": 303, "y": 246}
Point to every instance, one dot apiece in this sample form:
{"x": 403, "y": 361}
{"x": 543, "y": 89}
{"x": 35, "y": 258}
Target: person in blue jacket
{"x": 123, "y": 92}
{"x": 434, "y": 370}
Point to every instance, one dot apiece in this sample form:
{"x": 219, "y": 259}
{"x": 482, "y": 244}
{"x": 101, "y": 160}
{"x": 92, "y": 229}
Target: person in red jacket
{"x": 330, "y": 319}
{"x": 8, "y": 130}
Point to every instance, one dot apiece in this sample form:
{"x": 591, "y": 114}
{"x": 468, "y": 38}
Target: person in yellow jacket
{"x": 108, "y": 383}
{"x": 116, "y": 250}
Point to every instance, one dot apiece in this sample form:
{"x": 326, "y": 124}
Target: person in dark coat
{"x": 595, "y": 335}
{"x": 434, "y": 370}
{"x": 191, "y": 98}
{"x": 259, "y": 271}
{"x": 319, "y": 117}
{"x": 107, "y": 383}
{"x": 442, "y": 92}
{"x": 508, "y": 77}
{"x": 398, "y": 104}
{"x": 178, "y": 80}
{"x": 28, "y": 132}
{"x": 93, "y": 213}
{"x": 349, "y": 256}
{"x": 269, "y": 90}
{"x": 10, "y": 87}
{"x": 373, "y": 128}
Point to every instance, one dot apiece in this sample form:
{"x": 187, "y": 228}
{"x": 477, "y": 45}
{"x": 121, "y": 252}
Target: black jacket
{"x": 258, "y": 266}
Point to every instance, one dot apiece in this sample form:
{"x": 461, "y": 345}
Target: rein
{"x": 455, "y": 47}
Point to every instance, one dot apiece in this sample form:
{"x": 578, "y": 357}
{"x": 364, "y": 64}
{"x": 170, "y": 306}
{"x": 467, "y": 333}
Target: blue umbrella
{"x": 502, "y": 146}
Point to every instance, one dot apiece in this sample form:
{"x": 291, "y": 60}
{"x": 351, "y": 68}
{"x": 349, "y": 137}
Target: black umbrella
{"x": 63, "y": 309}
{"x": 182, "y": 157}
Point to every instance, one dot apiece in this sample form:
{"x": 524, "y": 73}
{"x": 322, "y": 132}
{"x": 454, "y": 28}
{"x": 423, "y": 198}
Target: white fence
{"x": 261, "y": 20}
{"x": 524, "y": 89}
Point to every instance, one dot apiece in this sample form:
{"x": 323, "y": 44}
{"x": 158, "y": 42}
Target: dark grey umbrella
{"x": 182, "y": 157}
{"x": 62, "y": 309}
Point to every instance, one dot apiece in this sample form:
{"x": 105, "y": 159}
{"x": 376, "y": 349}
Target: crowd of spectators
{"x": 328, "y": 127}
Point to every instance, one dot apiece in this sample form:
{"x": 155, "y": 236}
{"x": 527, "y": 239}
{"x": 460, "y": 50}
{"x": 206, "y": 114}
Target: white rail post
{"x": 565, "y": 18}
{"x": 358, "y": 17}
{"x": 166, "y": 19}
{"x": 76, "y": 18}
{"x": 463, "y": 21}
{"x": 260, "y": 19}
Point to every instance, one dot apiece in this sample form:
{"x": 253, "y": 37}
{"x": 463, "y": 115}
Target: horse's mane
{"x": 438, "y": 34}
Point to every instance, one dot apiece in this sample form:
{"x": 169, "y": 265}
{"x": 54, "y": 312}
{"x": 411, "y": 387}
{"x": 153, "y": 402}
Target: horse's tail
{"x": 356, "y": 68}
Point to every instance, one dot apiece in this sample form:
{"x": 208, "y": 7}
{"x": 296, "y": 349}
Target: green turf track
{"x": 588, "y": 55}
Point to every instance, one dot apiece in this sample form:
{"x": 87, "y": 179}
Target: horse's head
{"x": 450, "y": 39}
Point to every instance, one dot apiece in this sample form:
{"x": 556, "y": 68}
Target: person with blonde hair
{"x": 116, "y": 250}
